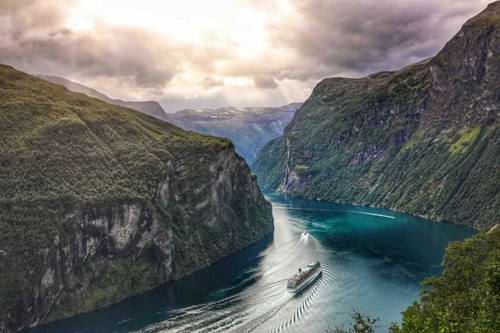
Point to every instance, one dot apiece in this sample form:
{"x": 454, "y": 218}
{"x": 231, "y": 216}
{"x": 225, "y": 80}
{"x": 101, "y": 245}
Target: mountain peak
{"x": 489, "y": 17}
{"x": 493, "y": 6}
{"x": 469, "y": 65}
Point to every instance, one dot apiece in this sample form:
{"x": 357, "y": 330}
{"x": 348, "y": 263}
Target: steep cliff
{"x": 422, "y": 140}
{"x": 99, "y": 203}
{"x": 248, "y": 128}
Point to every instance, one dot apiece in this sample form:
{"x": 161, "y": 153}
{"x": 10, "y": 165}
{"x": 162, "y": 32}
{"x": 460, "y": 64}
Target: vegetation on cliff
{"x": 424, "y": 140}
{"x": 99, "y": 202}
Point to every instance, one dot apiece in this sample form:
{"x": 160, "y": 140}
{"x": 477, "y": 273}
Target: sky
{"x": 214, "y": 53}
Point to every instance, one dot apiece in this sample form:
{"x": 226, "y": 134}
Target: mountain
{"x": 249, "y": 128}
{"x": 100, "y": 202}
{"x": 151, "y": 108}
{"x": 422, "y": 140}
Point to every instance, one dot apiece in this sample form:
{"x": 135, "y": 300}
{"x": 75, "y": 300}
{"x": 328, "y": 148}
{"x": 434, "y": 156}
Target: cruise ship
{"x": 304, "y": 277}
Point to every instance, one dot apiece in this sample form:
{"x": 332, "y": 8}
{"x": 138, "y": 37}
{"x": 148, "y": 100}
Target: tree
{"x": 361, "y": 324}
{"x": 465, "y": 298}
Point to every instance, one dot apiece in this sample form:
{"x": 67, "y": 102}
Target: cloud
{"x": 265, "y": 82}
{"x": 216, "y": 58}
{"x": 39, "y": 42}
{"x": 212, "y": 82}
{"x": 363, "y": 36}
{"x": 239, "y": 95}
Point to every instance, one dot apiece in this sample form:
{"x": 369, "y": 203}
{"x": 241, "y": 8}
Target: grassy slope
{"x": 42, "y": 123}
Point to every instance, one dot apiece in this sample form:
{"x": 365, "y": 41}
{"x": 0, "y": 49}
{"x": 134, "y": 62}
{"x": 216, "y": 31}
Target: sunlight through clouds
{"x": 194, "y": 53}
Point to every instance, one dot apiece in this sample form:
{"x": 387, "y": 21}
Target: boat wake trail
{"x": 241, "y": 313}
{"x": 265, "y": 297}
{"x": 336, "y": 210}
{"x": 371, "y": 214}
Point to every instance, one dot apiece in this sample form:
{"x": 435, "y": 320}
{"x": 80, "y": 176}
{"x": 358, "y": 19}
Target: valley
{"x": 206, "y": 199}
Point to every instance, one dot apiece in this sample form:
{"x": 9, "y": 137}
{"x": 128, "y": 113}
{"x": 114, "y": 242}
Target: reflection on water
{"x": 372, "y": 260}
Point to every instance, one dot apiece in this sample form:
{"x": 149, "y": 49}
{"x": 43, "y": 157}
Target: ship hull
{"x": 306, "y": 282}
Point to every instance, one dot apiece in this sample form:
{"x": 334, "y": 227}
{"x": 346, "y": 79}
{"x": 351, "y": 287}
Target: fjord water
{"x": 373, "y": 261}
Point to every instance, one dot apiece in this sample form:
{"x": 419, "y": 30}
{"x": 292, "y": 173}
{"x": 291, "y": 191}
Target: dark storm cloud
{"x": 362, "y": 36}
{"x": 116, "y": 53}
{"x": 37, "y": 41}
{"x": 17, "y": 17}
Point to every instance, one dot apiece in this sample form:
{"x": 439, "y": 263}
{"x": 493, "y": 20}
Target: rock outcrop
{"x": 99, "y": 203}
{"x": 422, "y": 140}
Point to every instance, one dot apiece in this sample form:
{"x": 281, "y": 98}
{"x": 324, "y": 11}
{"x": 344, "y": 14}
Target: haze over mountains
{"x": 151, "y": 108}
{"x": 249, "y": 128}
{"x": 423, "y": 140}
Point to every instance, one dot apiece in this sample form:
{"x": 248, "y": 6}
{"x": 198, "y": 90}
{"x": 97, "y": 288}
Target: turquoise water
{"x": 373, "y": 260}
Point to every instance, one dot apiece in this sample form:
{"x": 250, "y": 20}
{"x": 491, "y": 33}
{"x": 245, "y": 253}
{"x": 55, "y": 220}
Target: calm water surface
{"x": 373, "y": 261}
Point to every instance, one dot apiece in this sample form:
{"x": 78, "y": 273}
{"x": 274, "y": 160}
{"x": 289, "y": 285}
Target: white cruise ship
{"x": 304, "y": 277}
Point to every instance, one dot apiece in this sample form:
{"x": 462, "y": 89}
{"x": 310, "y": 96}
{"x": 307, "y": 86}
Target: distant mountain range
{"x": 249, "y": 128}
{"x": 423, "y": 140}
{"x": 151, "y": 108}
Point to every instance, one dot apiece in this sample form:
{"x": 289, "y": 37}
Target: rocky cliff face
{"x": 249, "y": 128}
{"x": 99, "y": 203}
{"x": 423, "y": 140}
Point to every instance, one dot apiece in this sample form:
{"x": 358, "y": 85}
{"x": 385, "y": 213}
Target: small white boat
{"x": 304, "y": 277}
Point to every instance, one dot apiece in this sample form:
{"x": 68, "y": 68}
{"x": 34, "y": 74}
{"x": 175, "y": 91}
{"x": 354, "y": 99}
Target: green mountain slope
{"x": 99, "y": 203}
{"x": 422, "y": 140}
